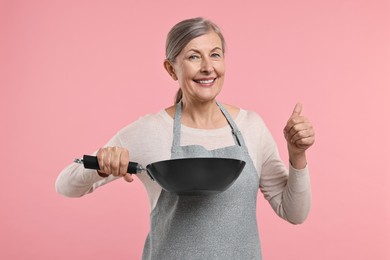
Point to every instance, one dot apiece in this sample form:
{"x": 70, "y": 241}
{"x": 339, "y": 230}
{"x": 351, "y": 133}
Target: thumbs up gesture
{"x": 299, "y": 133}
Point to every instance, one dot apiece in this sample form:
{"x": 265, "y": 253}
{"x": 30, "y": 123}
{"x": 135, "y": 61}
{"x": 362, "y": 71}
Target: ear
{"x": 169, "y": 68}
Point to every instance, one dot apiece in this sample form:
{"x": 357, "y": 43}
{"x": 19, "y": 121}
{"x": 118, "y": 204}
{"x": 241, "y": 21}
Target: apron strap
{"x": 176, "y": 127}
{"x": 238, "y": 139}
{"x": 237, "y": 136}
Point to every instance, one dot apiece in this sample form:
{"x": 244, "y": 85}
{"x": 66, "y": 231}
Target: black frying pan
{"x": 188, "y": 176}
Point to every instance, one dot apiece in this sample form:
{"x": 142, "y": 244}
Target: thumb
{"x": 128, "y": 177}
{"x": 297, "y": 110}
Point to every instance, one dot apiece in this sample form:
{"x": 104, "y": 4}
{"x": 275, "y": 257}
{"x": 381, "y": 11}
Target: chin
{"x": 208, "y": 98}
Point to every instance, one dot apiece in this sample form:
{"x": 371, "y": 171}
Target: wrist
{"x": 298, "y": 160}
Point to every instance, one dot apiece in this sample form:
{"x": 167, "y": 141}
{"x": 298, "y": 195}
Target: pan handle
{"x": 91, "y": 162}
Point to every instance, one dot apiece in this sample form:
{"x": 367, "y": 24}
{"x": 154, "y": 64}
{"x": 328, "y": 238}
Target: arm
{"x": 289, "y": 193}
{"x": 76, "y": 181}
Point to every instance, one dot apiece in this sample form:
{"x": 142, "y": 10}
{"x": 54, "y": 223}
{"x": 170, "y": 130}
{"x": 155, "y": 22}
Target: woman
{"x": 221, "y": 226}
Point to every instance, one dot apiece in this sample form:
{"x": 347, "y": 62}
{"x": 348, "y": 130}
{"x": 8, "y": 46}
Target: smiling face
{"x": 199, "y": 68}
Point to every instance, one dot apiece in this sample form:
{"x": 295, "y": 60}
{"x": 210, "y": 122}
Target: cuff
{"x": 92, "y": 176}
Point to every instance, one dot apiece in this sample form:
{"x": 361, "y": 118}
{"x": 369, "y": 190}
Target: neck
{"x": 206, "y": 115}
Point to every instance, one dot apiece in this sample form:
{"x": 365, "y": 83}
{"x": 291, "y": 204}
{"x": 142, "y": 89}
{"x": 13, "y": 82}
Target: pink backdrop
{"x": 75, "y": 72}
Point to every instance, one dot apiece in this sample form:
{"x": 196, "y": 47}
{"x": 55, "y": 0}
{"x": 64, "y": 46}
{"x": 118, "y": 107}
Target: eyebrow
{"x": 195, "y": 50}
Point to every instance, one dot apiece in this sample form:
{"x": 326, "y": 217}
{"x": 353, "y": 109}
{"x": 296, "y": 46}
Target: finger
{"x": 297, "y": 127}
{"x": 124, "y": 162}
{"x": 305, "y": 126}
{"x": 305, "y": 143}
{"x": 107, "y": 160}
{"x": 100, "y": 157}
{"x": 297, "y": 110}
{"x": 300, "y": 135}
{"x": 115, "y": 161}
{"x": 295, "y": 122}
{"x": 128, "y": 177}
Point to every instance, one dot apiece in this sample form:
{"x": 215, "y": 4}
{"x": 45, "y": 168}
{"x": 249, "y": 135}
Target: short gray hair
{"x": 185, "y": 31}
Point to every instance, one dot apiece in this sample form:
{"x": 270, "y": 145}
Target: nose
{"x": 206, "y": 66}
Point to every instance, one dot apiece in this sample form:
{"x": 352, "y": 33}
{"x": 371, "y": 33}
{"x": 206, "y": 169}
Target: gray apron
{"x": 221, "y": 226}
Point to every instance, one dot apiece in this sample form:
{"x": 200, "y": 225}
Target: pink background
{"x": 75, "y": 72}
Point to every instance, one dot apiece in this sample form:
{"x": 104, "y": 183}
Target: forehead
{"x": 205, "y": 42}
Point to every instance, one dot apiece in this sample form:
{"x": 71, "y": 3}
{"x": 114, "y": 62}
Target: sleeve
{"x": 76, "y": 181}
{"x": 287, "y": 191}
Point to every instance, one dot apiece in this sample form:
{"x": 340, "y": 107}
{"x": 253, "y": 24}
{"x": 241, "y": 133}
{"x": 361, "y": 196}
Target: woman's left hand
{"x": 299, "y": 133}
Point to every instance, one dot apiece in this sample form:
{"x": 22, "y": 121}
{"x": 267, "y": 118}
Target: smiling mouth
{"x": 205, "y": 81}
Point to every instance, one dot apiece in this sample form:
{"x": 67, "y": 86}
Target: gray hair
{"x": 182, "y": 33}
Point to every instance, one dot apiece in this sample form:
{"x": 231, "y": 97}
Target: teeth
{"x": 205, "y": 81}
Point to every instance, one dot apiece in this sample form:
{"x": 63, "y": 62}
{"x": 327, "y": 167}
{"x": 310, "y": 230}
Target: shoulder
{"x": 251, "y": 125}
{"x": 244, "y": 116}
{"x": 237, "y": 112}
{"x": 253, "y": 117}
{"x": 233, "y": 110}
{"x": 149, "y": 123}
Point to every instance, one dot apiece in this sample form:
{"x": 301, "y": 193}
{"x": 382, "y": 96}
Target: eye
{"x": 193, "y": 57}
{"x": 216, "y": 55}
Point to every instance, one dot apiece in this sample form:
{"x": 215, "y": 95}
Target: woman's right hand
{"x": 114, "y": 161}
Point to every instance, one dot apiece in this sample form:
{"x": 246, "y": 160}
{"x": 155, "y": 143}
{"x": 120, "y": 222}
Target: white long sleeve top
{"x": 149, "y": 139}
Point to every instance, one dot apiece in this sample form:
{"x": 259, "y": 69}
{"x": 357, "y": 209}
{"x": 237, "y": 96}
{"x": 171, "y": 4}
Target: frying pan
{"x": 187, "y": 176}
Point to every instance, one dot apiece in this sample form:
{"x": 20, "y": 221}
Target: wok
{"x": 187, "y": 176}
